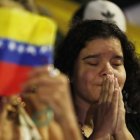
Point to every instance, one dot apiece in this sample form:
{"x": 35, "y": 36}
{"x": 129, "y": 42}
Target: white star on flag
{"x": 12, "y": 46}
{"x": 1, "y": 43}
{"x": 20, "y": 48}
{"x": 44, "y": 49}
{"x": 31, "y": 50}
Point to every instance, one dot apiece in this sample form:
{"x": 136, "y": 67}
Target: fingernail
{"x": 50, "y": 67}
{"x": 54, "y": 72}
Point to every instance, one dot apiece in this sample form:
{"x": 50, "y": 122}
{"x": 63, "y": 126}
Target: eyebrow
{"x": 119, "y": 57}
{"x": 95, "y": 56}
{"x": 90, "y": 56}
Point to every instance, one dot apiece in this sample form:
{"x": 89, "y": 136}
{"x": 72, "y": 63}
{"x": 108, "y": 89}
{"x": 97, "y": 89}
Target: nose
{"x": 106, "y": 70}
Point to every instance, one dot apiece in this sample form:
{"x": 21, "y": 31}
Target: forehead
{"x": 103, "y": 45}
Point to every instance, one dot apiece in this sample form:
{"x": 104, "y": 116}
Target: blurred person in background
{"x": 38, "y": 112}
{"x": 100, "y": 10}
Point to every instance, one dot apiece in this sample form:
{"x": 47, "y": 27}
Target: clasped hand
{"x": 109, "y": 117}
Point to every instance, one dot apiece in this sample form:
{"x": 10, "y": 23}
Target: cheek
{"x": 87, "y": 76}
{"x": 121, "y": 80}
{"x": 84, "y": 80}
{"x": 89, "y": 86}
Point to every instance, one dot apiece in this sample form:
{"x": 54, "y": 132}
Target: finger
{"x": 41, "y": 70}
{"x": 115, "y": 97}
{"x": 45, "y": 73}
{"x": 45, "y": 84}
{"x": 106, "y": 88}
{"x": 43, "y": 80}
{"x": 34, "y": 83}
{"x": 102, "y": 90}
{"x": 43, "y": 95}
{"x": 102, "y": 100}
{"x": 121, "y": 103}
{"x": 111, "y": 89}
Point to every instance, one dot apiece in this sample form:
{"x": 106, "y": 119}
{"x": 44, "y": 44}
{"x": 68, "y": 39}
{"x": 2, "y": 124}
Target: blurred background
{"x": 62, "y": 11}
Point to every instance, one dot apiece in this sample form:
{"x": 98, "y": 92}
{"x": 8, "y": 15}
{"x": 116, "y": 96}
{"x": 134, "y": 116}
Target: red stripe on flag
{"x": 11, "y": 78}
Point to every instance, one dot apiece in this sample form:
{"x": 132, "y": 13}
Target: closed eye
{"x": 92, "y": 64}
{"x": 117, "y": 62}
{"x": 92, "y": 60}
{"x": 116, "y": 65}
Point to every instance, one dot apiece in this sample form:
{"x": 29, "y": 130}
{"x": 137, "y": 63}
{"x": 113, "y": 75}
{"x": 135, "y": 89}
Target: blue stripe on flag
{"x": 25, "y": 54}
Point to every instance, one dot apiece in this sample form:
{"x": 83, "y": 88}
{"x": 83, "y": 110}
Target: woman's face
{"x": 99, "y": 58}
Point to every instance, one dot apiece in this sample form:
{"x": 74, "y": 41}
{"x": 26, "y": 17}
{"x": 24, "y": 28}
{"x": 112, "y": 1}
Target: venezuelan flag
{"x": 26, "y": 41}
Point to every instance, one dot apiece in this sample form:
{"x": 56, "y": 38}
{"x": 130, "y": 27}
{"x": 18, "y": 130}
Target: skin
{"x": 53, "y": 91}
{"x": 98, "y": 79}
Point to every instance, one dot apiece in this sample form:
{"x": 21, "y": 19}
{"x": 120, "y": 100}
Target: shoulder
{"x": 133, "y": 124}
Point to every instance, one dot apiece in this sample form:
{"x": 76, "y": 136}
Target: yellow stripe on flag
{"x": 23, "y": 26}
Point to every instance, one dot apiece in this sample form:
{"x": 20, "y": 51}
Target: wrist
{"x": 69, "y": 121}
{"x": 43, "y": 118}
{"x": 123, "y": 134}
{"x": 100, "y": 136}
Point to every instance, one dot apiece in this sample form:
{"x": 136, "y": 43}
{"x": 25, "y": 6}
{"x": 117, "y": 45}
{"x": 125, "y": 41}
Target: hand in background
{"x": 48, "y": 88}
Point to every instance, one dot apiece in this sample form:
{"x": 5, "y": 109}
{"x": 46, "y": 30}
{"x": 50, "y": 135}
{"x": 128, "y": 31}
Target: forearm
{"x": 100, "y": 135}
{"x": 124, "y": 135}
{"x": 42, "y": 123}
{"x": 42, "y": 118}
{"x": 44, "y": 132}
{"x": 70, "y": 128}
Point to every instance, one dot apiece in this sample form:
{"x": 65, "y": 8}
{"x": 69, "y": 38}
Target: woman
{"x": 102, "y": 66}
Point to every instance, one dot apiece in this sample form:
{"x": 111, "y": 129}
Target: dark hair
{"x": 78, "y": 15}
{"x": 85, "y": 31}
